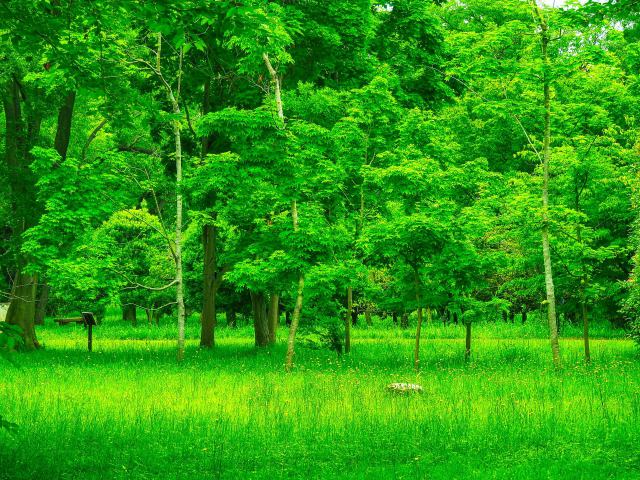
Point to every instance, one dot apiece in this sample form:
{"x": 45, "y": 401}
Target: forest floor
{"x": 129, "y": 411}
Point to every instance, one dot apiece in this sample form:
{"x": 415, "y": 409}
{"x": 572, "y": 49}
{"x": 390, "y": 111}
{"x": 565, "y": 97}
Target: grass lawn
{"x": 129, "y": 411}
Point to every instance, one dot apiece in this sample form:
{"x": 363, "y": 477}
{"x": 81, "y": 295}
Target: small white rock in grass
{"x": 405, "y": 388}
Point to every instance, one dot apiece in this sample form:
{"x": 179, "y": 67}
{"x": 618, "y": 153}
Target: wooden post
{"x": 89, "y": 321}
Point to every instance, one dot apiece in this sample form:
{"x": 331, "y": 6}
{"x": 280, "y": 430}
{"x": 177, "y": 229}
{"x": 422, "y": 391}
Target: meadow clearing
{"x": 129, "y": 410}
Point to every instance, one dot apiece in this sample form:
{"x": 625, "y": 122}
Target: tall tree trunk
{"x": 19, "y": 139}
{"x": 61, "y": 145}
{"x": 209, "y": 242}
{"x": 347, "y": 321}
{"x": 22, "y": 308}
{"x": 174, "y": 100}
{"x": 416, "y": 351}
{"x": 404, "y": 320}
{"x": 583, "y": 282}
{"x": 295, "y": 320}
{"x": 260, "y": 320}
{"x": 273, "y": 315}
{"x": 129, "y": 314}
{"x": 467, "y": 349}
{"x": 585, "y": 331}
{"x": 63, "y": 133}
{"x": 208, "y": 316}
{"x": 546, "y": 152}
{"x": 41, "y": 305}
{"x": 294, "y": 218}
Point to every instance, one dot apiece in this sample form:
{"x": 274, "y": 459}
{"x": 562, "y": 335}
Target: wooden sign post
{"x": 89, "y": 321}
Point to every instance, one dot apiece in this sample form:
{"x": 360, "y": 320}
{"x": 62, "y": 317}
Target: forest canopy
{"x": 468, "y": 161}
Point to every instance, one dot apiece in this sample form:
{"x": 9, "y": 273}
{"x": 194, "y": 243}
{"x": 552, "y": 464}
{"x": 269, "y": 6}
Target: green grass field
{"x": 129, "y": 411}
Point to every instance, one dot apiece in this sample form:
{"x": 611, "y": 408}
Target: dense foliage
{"x": 325, "y": 159}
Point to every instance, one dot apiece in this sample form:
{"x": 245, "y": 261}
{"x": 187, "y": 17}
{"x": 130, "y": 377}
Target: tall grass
{"x": 128, "y": 410}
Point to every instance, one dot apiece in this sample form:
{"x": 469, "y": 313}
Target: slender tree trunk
{"x": 209, "y": 242}
{"x": 583, "y": 284}
{"x": 208, "y": 317}
{"x": 174, "y": 100}
{"x": 293, "y": 329}
{"x": 294, "y": 218}
{"x": 467, "y": 349}
{"x": 347, "y": 321}
{"x": 41, "y": 306}
{"x": 585, "y": 331}
{"x": 260, "y": 320}
{"x": 276, "y": 82}
{"x": 524, "y": 315}
{"x": 546, "y": 152}
{"x": 294, "y": 324}
{"x": 273, "y": 315}
{"x": 22, "y": 308}
{"x": 394, "y": 317}
{"x": 178, "y": 242}
{"x": 416, "y": 352}
{"x": 129, "y": 314}
{"x": 63, "y": 133}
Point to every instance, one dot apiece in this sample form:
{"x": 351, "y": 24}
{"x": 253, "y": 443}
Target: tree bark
{"x": 294, "y": 218}
{"x": 416, "y": 352}
{"x": 63, "y": 132}
{"x": 174, "y": 100}
{"x": 467, "y": 349}
{"x": 260, "y": 321}
{"x": 208, "y": 316}
{"x": 295, "y": 320}
{"x": 22, "y": 308}
{"x": 347, "y": 322}
{"x": 20, "y": 137}
{"x": 41, "y": 306}
{"x": 404, "y": 320}
{"x": 273, "y": 315}
{"x": 585, "y": 332}
{"x": 129, "y": 314}
{"x": 546, "y": 152}
{"x": 209, "y": 243}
